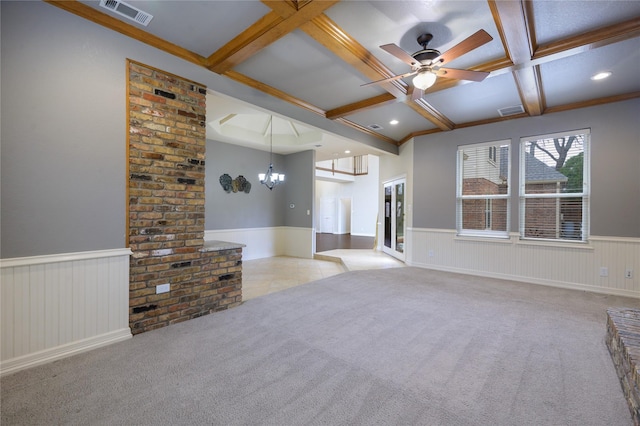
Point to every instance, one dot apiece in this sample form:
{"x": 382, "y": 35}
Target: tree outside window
{"x": 554, "y": 183}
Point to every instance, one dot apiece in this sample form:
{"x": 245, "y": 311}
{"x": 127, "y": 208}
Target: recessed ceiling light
{"x": 601, "y": 75}
{"x": 347, "y": 152}
{"x": 393, "y": 122}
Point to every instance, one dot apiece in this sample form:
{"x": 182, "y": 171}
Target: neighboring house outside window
{"x": 482, "y": 189}
{"x": 554, "y": 187}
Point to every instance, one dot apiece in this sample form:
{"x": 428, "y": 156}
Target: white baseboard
{"x": 49, "y": 355}
{"x": 548, "y": 283}
{"x": 355, "y": 234}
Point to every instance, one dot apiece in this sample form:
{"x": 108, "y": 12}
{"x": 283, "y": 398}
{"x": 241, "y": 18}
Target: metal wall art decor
{"x": 239, "y": 184}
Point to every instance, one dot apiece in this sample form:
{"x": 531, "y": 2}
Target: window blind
{"x": 554, "y": 186}
{"x": 482, "y": 183}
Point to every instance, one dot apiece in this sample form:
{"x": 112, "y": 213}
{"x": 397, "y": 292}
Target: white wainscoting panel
{"x": 58, "y": 305}
{"x": 259, "y": 242}
{"x": 268, "y": 242}
{"x": 566, "y": 265}
{"x": 298, "y": 242}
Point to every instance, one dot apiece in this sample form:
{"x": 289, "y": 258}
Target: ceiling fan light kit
{"x": 426, "y": 64}
{"x": 424, "y": 79}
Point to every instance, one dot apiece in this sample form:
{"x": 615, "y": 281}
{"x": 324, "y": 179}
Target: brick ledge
{"x": 623, "y": 341}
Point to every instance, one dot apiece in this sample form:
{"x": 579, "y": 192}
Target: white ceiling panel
{"x": 409, "y": 121}
{"x": 298, "y": 65}
{"x": 568, "y": 80}
{"x": 199, "y": 26}
{"x": 555, "y": 20}
{"x": 476, "y": 101}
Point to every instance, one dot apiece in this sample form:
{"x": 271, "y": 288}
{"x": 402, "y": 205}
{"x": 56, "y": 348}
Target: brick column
{"x": 167, "y": 141}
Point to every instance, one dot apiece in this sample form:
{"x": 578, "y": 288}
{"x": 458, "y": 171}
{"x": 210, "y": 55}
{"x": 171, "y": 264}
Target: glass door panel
{"x": 399, "y": 217}
{"x": 394, "y": 213}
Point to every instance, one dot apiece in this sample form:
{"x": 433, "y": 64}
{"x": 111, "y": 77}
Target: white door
{"x": 394, "y": 213}
{"x": 327, "y": 215}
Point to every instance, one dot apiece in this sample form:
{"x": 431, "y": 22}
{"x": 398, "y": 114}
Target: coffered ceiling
{"x": 317, "y": 54}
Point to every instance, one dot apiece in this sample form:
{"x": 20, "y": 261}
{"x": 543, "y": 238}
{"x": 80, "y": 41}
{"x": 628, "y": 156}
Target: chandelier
{"x": 271, "y": 178}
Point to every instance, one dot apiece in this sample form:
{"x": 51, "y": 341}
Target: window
{"x": 492, "y": 153}
{"x": 554, "y": 186}
{"x": 482, "y": 196}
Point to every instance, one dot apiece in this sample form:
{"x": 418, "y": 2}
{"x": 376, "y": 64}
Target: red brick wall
{"x": 473, "y": 211}
{"x": 166, "y": 206}
{"x": 541, "y": 214}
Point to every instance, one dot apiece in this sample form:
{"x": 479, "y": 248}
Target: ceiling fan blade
{"x": 476, "y": 40}
{"x": 386, "y": 80}
{"x": 399, "y": 53}
{"x": 462, "y": 74}
{"x": 416, "y": 93}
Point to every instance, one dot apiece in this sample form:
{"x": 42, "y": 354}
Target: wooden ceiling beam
{"x": 337, "y": 41}
{"x": 375, "y": 102}
{"x": 515, "y": 26}
{"x": 283, "y": 18}
{"x": 265, "y": 88}
{"x": 587, "y": 41}
{"x": 423, "y": 108}
{"x": 594, "y": 102}
{"x": 363, "y": 129}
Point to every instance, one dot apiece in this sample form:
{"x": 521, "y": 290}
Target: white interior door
{"x": 328, "y": 215}
{"x": 394, "y": 214}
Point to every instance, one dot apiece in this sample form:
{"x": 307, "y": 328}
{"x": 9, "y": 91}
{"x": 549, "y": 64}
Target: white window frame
{"x": 585, "y": 195}
{"x": 460, "y": 197}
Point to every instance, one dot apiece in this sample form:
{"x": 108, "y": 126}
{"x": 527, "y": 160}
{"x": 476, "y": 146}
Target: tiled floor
{"x": 264, "y": 276}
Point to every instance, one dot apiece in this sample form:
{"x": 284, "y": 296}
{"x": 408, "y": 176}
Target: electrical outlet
{"x": 163, "y": 288}
{"x": 628, "y": 273}
{"x": 431, "y": 253}
{"x": 604, "y": 271}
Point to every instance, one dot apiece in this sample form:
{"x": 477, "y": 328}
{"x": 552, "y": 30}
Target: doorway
{"x": 394, "y": 214}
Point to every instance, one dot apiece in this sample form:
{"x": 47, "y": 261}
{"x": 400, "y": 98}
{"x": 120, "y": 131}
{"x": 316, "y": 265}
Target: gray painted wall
{"x": 63, "y": 136}
{"x": 63, "y": 132}
{"x": 300, "y": 190}
{"x": 260, "y": 207}
{"x": 615, "y": 170}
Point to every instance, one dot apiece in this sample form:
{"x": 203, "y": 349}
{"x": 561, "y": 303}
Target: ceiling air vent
{"x": 375, "y": 127}
{"x": 511, "y": 110}
{"x": 126, "y": 10}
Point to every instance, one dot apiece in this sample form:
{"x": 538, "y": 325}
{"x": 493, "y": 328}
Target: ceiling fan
{"x": 426, "y": 64}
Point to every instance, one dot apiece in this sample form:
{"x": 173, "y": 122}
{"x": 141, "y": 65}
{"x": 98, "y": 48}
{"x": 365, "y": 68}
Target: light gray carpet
{"x": 403, "y": 346}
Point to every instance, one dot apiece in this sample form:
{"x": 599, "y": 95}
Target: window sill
{"x": 558, "y": 244}
{"x": 500, "y": 239}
